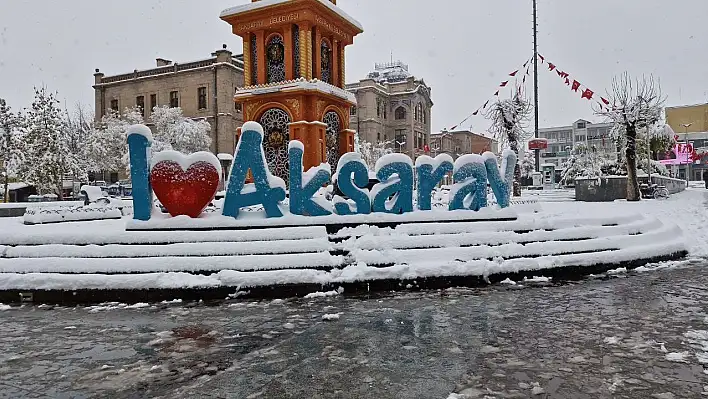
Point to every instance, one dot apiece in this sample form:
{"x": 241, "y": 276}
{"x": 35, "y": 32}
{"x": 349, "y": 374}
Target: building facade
{"x": 460, "y": 142}
{"x": 203, "y": 89}
{"x": 562, "y": 140}
{"x": 393, "y": 106}
{"x": 690, "y": 124}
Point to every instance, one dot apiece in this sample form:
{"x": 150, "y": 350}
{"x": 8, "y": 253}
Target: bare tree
{"x": 510, "y": 127}
{"x": 636, "y": 106}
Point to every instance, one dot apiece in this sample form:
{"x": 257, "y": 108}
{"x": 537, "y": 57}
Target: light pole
{"x": 400, "y": 145}
{"x": 537, "y": 153}
{"x": 688, "y": 164}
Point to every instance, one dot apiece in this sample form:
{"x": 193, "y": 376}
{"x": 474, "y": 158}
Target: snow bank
{"x": 56, "y": 215}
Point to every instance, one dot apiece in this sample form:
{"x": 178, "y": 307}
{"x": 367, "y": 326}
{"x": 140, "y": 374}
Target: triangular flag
{"x": 604, "y": 101}
{"x": 514, "y": 73}
{"x": 576, "y": 85}
{"x": 588, "y": 94}
{"x": 542, "y": 58}
{"x": 567, "y": 81}
{"x": 485, "y": 104}
{"x": 526, "y": 63}
{"x": 551, "y": 66}
{"x": 497, "y": 93}
{"x": 523, "y": 80}
{"x": 475, "y": 112}
{"x": 503, "y": 84}
{"x": 453, "y": 128}
{"x": 558, "y": 71}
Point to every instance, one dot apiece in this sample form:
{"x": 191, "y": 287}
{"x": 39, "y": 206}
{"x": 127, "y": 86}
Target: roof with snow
{"x": 390, "y": 72}
{"x": 261, "y": 4}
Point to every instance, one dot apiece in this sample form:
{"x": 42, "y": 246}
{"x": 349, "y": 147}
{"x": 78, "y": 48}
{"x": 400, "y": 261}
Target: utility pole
{"x": 535, "y": 82}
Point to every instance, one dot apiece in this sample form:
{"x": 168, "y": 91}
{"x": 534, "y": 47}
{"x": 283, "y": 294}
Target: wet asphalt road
{"x": 638, "y": 336}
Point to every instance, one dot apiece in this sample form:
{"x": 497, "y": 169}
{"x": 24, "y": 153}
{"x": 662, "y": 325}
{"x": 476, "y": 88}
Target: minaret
{"x": 294, "y": 77}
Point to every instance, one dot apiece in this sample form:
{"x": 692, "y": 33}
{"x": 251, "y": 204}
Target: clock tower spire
{"x": 293, "y": 53}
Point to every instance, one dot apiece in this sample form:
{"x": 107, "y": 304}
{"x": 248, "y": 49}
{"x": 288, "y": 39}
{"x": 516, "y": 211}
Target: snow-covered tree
{"x": 10, "y": 145}
{"x": 79, "y": 125}
{"x": 173, "y": 131}
{"x": 509, "y": 126}
{"x": 47, "y": 153}
{"x": 527, "y": 165}
{"x": 371, "y": 152}
{"x": 635, "y": 106}
{"x": 583, "y": 161}
{"x": 107, "y": 147}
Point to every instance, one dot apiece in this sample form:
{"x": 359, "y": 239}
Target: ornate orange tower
{"x": 293, "y": 53}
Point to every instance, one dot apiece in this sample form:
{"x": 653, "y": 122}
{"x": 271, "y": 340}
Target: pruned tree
{"x": 11, "y": 154}
{"x": 509, "y": 120}
{"x": 636, "y": 105}
{"x": 173, "y": 131}
{"x": 371, "y": 152}
{"x": 79, "y": 125}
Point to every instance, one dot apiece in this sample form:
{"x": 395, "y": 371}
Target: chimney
{"x": 223, "y": 55}
{"x": 163, "y": 62}
{"x": 98, "y": 76}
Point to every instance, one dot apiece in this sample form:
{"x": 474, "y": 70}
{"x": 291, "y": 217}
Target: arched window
{"x": 276, "y": 128}
{"x": 400, "y": 113}
{"x": 326, "y": 61}
{"x": 276, "y": 59}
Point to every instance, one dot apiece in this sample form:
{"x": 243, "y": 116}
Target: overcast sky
{"x": 462, "y": 48}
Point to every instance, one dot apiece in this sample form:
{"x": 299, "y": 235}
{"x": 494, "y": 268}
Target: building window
{"x": 296, "y": 51}
{"x": 352, "y": 111}
{"x": 400, "y": 113}
{"x": 238, "y": 107}
{"x": 174, "y": 99}
{"x": 202, "y": 97}
{"x": 385, "y": 111}
{"x": 153, "y": 101}
{"x": 379, "y": 107}
{"x": 326, "y": 61}
{"x": 114, "y": 104}
{"x": 276, "y": 59}
{"x": 254, "y": 60}
{"x": 581, "y": 125}
{"x": 140, "y": 103}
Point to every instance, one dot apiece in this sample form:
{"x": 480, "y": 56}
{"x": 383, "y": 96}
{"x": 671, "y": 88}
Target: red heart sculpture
{"x": 185, "y": 192}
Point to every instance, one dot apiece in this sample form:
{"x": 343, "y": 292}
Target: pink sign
{"x": 680, "y": 155}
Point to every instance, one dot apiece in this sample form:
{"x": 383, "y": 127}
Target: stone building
{"x": 203, "y": 89}
{"x": 460, "y": 142}
{"x": 394, "y": 106}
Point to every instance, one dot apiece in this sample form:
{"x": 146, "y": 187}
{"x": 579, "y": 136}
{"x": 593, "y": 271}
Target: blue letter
{"x": 501, "y": 186}
{"x": 395, "y": 173}
{"x": 301, "y": 192}
{"x": 470, "y": 188}
{"x": 139, "y": 142}
{"x": 352, "y": 178}
{"x": 430, "y": 171}
{"x": 268, "y": 190}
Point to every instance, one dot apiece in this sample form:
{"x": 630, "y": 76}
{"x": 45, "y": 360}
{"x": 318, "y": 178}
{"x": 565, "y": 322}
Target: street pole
{"x": 535, "y": 82}
{"x": 688, "y": 162}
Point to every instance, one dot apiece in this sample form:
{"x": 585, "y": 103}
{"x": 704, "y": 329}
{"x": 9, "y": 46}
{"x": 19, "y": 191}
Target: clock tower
{"x": 293, "y": 52}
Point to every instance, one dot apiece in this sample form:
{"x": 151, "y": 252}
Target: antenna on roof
{"x": 392, "y": 56}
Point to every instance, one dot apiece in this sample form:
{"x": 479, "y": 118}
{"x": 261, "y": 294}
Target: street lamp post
{"x": 688, "y": 164}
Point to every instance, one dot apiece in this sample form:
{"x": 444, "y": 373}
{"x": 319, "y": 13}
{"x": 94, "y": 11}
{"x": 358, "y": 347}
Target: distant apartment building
{"x": 562, "y": 139}
{"x": 394, "y": 106}
{"x": 460, "y": 142}
{"x": 203, "y": 89}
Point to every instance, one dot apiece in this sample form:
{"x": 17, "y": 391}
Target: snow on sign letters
{"x": 186, "y": 184}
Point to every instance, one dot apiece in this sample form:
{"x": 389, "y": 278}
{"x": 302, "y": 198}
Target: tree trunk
{"x": 517, "y": 181}
{"x": 6, "y": 197}
{"x": 633, "y": 193}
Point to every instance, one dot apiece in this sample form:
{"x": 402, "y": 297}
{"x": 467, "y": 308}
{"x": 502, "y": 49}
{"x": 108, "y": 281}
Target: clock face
{"x": 275, "y": 53}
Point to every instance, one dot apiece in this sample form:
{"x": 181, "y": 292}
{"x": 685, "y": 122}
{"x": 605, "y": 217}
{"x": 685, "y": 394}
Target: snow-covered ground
{"x": 559, "y": 234}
